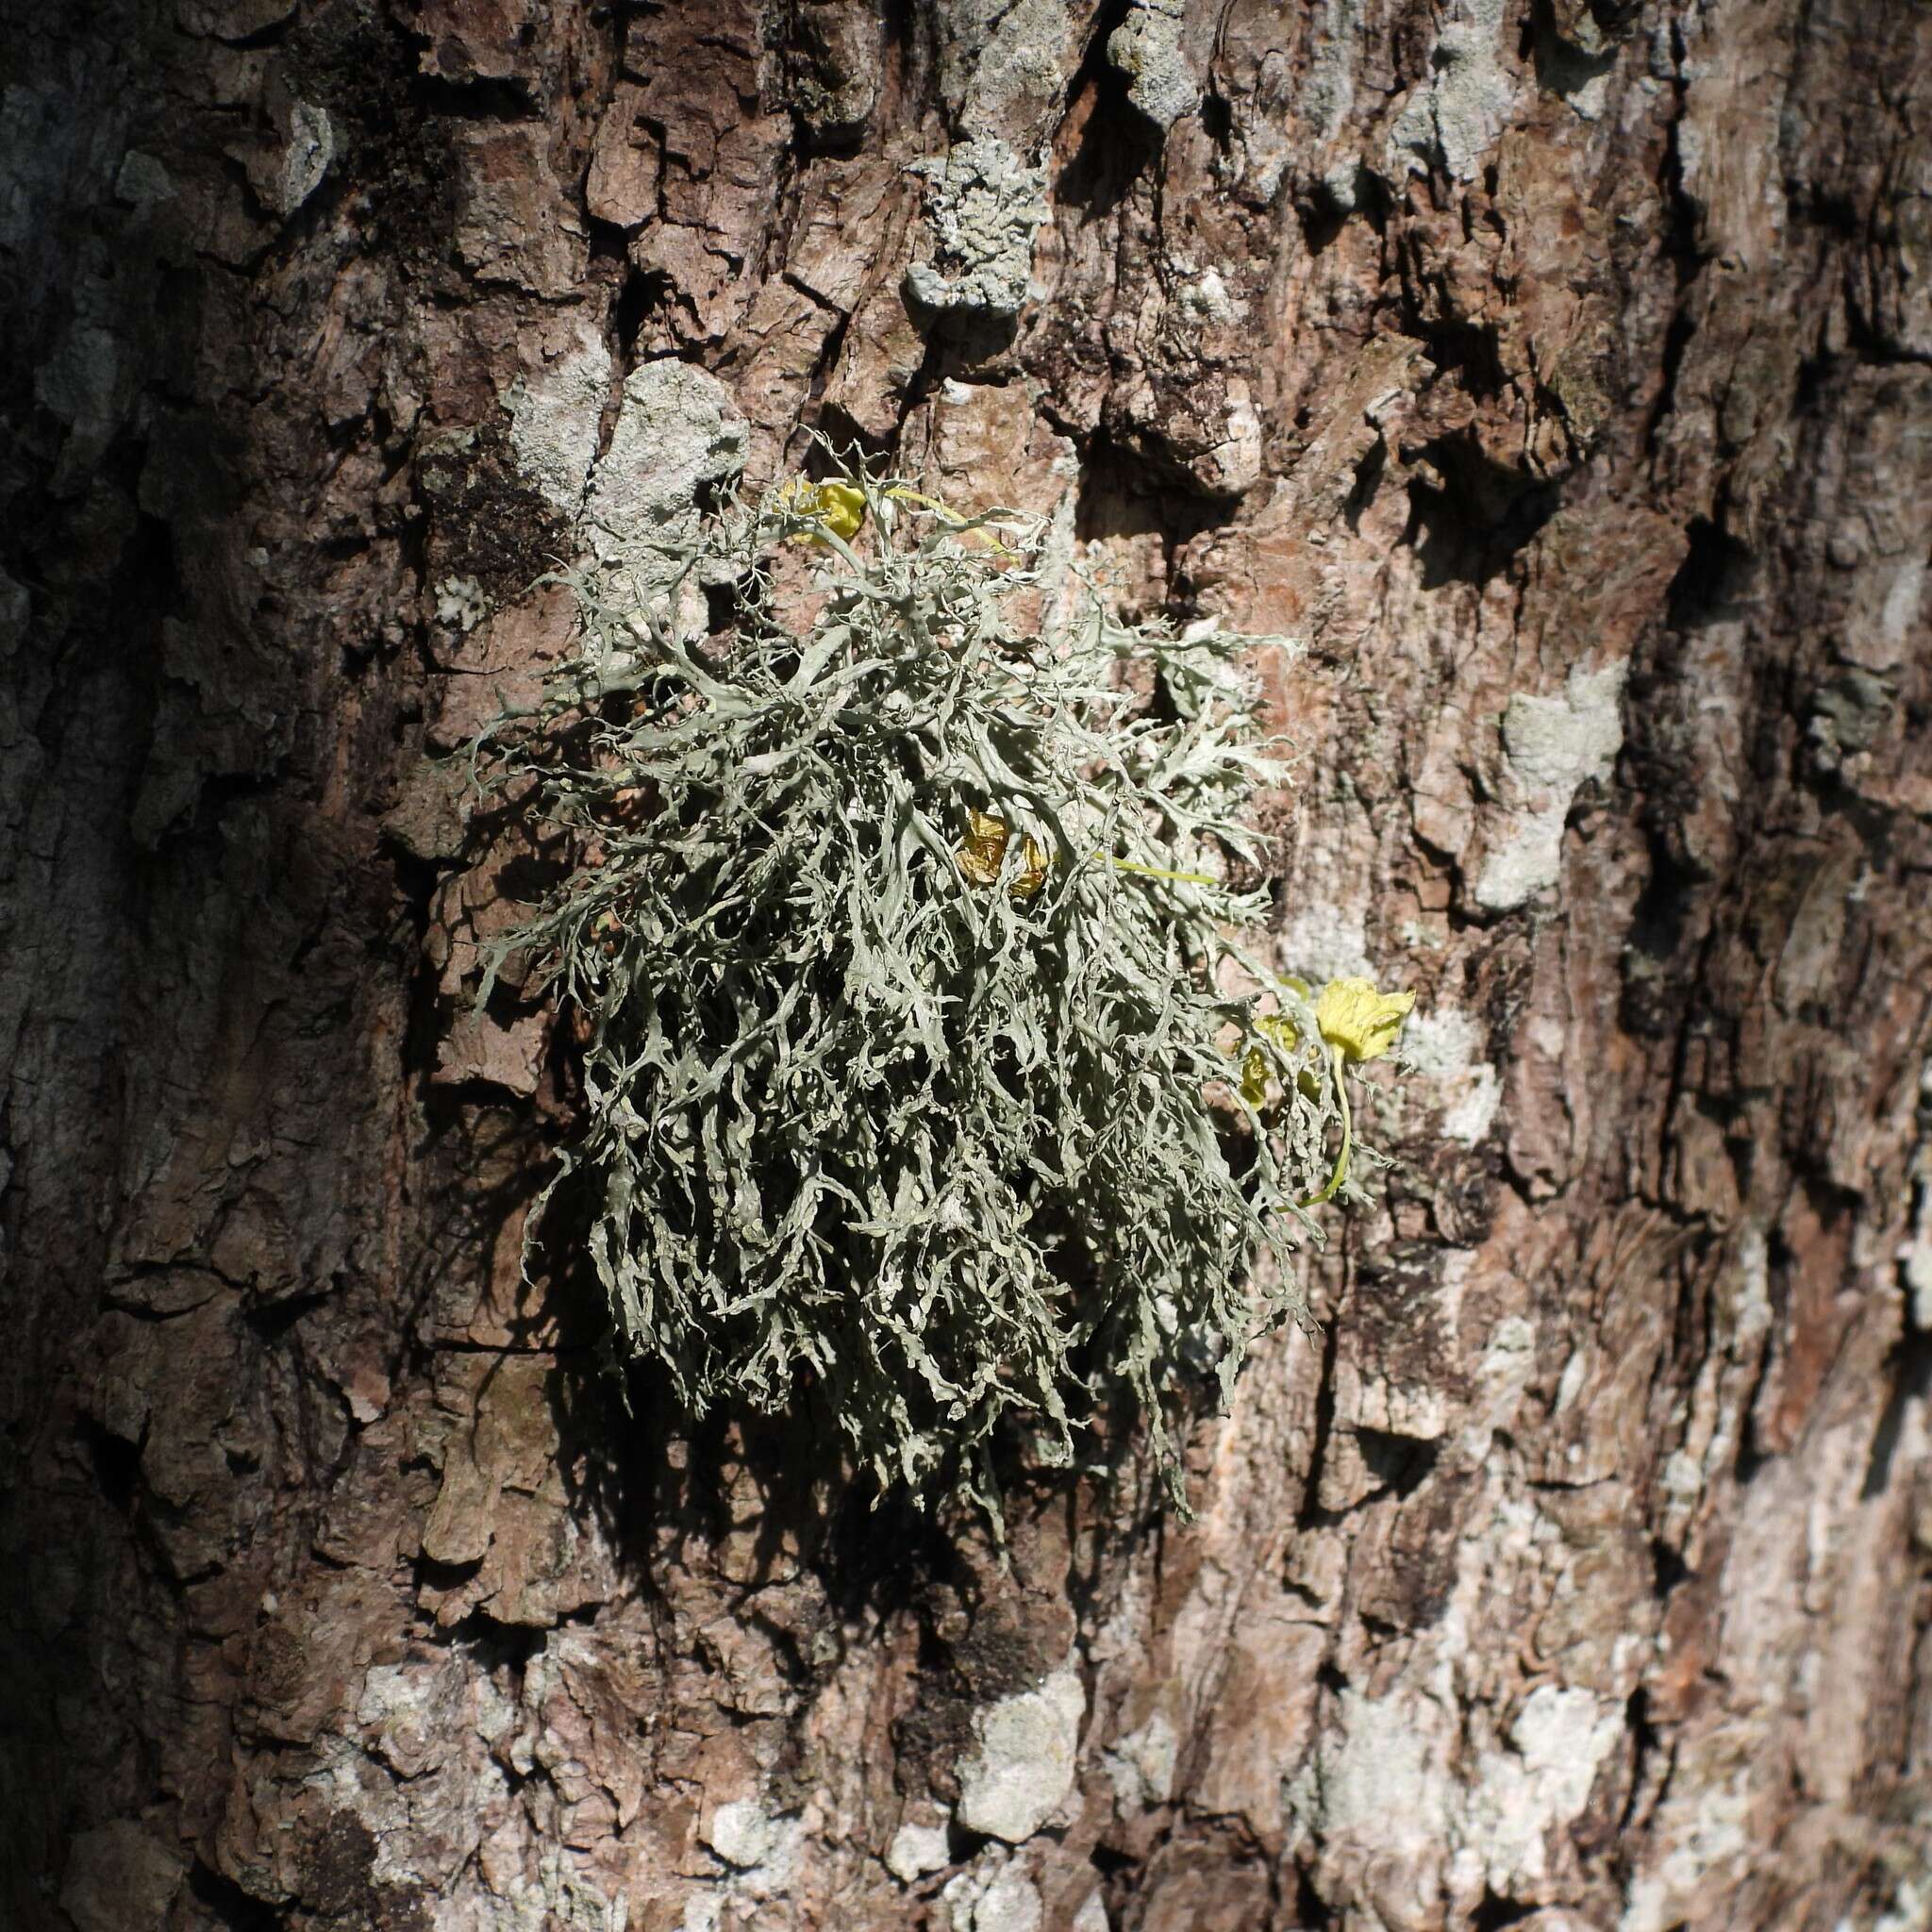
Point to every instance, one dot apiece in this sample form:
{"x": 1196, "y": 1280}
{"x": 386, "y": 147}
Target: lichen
{"x": 1552, "y": 745}
{"x": 1328, "y": 98}
{"x": 1522, "y": 1796}
{"x": 1022, "y": 1771}
{"x": 1456, "y": 115}
{"x": 678, "y": 434}
{"x": 917, "y": 1849}
{"x": 141, "y": 180}
{"x": 1004, "y": 65}
{"x": 1444, "y": 1048}
{"x": 305, "y": 157}
{"x": 1147, "y": 48}
{"x": 985, "y": 206}
{"x": 869, "y": 1128}
{"x": 993, "y": 1894}
{"x": 740, "y": 1833}
{"x": 1141, "y": 1765}
{"x": 554, "y": 414}
{"x": 460, "y": 603}
{"x": 833, "y": 67}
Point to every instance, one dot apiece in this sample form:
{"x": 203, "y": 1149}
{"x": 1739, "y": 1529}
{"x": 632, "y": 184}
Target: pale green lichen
{"x": 1147, "y": 48}
{"x": 306, "y": 158}
{"x": 1552, "y": 745}
{"x": 833, "y": 55}
{"x": 556, "y": 415}
{"x": 1456, "y": 115}
{"x": 985, "y": 206}
{"x": 1004, "y": 65}
{"x": 867, "y": 1128}
{"x": 677, "y": 435}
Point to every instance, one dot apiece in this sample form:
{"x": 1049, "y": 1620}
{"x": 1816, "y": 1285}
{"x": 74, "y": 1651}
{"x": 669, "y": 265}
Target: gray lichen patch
{"x": 1551, "y": 746}
{"x": 141, "y": 180}
{"x": 88, "y": 382}
{"x": 1444, "y": 1049}
{"x": 917, "y": 1849}
{"x": 993, "y": 1894}
{"x": 288, "y": 162}
{"x": 461, "y": 603}
{"x": 1847, "y": 714}
{"x": 1147, "y": 48}
{"x": 678, "y": 434}
{"x": 740, "y": 1833}
{"x": 1468, "y": 99}
{"x": 1023, "y": 1771}
{"x": 1004, "y": 64}
{"x": 1374, "y": 1787}
{"x": 1536, "y": 1783}
{"x": 554, "y": 414}
{"x": 834, "y": 67}
{"x": 305, "y": 157}
{"x": 985, "y": 206}
{"x": 1141, "y": 1765}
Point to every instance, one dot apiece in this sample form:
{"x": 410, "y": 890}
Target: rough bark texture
{"x": 1562, "y": 372}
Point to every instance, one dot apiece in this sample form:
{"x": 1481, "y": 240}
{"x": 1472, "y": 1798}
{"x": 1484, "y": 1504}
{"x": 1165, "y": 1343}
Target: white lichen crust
{"x": 1146, "y": 47}
{"x": 985, "y": 206}
{"x": 1023, "y": 1771}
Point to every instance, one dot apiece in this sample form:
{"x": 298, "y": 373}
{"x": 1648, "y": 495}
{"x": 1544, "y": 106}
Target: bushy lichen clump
{"x": 921, "y": 1066}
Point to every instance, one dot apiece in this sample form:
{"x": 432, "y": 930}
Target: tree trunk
{"x": 1560, "y": 372}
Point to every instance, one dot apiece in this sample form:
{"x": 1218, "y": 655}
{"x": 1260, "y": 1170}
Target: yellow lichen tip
{"x": 1286, "y": 1034}
{"x": 1359, "y": 1022}
{"x": 1254, "y": 1076}
{"x": 1158, "y": 871}
{"x": 902, "y": 493}
{"x": 837, "y": 508}
{"x": 1281, "y": 1030}
{"x": 982, "y": 851}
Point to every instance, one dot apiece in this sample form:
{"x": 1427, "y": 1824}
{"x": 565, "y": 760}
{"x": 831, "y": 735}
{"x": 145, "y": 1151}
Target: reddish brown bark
{"x": 1562, "y": 372}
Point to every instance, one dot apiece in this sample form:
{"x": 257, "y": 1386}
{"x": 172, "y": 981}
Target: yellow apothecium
{"x": 982, "y": 851}
{"x": 1359, "y": 1022}
{"x": 1356, "y": 1024}
{"x": 837, "y": 508}
{"x": 1283, "y": 1033}
{"x": 1254, "y": 1062}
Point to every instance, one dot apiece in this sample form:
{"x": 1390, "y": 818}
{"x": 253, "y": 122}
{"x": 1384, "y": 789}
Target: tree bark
{"x": 1560, "y": 372}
